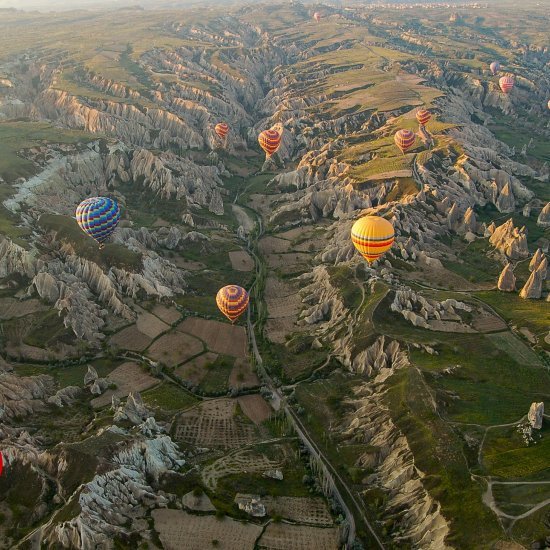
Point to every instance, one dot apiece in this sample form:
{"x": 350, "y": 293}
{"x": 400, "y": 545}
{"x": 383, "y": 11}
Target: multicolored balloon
{"x": 423, "y": 116}
{"x": 404, "y": 139}
{"x": 221, "y": 129}
{"x": 232, "y": 301}
{"x": 317, "y": 16}
{"x": 372, "y": 236}
{"x": 495, "y": 67}
{"x": 506, "y": 83}
{"x": 98, "y": 217}
{"x": 269, "y": 141}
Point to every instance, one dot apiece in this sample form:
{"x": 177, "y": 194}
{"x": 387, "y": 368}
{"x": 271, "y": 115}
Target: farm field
{"x": 282, "y": 536}
{"x": 128, "y": 377}
{"x": 178, "y": 529}
{"x": 214, "y": 423}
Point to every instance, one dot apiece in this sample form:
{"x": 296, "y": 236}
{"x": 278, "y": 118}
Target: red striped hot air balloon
{"x": 317, "y": 16}
{"x": 372, "y": 236}
{"x": 232, "y": 301}
{"x": 269, "y": 141}
{"x": 423, "y": 116}
{"x": 506, "y": 83}
{"x": 221, "y": 129}
{"x": 404, "y": 139}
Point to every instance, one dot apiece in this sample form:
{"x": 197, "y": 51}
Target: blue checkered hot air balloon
{"x": 98, "y": 217}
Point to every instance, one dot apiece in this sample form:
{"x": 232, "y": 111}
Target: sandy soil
{"x": 195, "y": 369}
{"x": 128, "y": 377}
{"x": 167, "y": 314}
{"x": 242, "y": 375}
{"x": 150, "y": 325}
{"x": 255, "y": 407}
{"x": 274, "y": 245}
{"x": 486, "y": 322}
{"x": 283, "y": 305}
{"x": 282, "y": 536}
{"x": 219, "y": 337}
{"x": 189, "y": 265}
{"x": 174, "y": 348}
{"x": 131, "y": 338}
{"x": 199, "y": 503}
{"x": 11, "y": 307}
{"x": 241, "y": 260}
{"x": 390, "y": 175}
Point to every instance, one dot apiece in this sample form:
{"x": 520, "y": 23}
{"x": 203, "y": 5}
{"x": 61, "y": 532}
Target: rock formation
{"x": 544, "y": 217}
{"x": 24, "y": 395}
{"x": 537, "y": 258}
{"x": 536, "y": 415}
{"x": 533, "y": 287}
{"x": 510, "y": 240}
{"x": 134, "y": 410}
{"x": 507, "y": 279}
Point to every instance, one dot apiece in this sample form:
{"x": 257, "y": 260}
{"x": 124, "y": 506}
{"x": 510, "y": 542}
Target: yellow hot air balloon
{"x": 232, "y": 301}
{"x": 373, "y": 236}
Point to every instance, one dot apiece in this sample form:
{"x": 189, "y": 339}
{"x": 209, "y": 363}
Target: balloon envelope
{"x": 98, "y": 217}
{"x": 372, "y": 236}
{"x": 317, "y": 16}
{"x": 423, "y": 116}
{"x": 506, "y": 83}
{"x": 404, "y": 139}
{"x": 269, "y": 141}
{"x": 221, "y": 129}
{"x": 495, "y": 67}
{"x": 232, "y": 300}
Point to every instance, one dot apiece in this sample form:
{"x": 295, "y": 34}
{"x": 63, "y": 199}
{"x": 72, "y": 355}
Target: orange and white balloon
{"x": 506, "y": 84}
{"x": 404, "y": 139}
{"x": 221, "y": 129}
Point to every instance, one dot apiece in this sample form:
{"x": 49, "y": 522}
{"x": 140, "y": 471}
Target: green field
{"x": 506, "y": 456}
{"x": 16, "y": 136}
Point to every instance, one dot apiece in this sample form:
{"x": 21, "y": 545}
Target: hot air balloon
{"x": 269, "y": 141}
{"x": 506, "y": 83}
{"x": 98, "y": 217}
{"x": 232, "y": 301}
{"x": 317, "y": 16}
{"x": 404, "y": 139}
{"x": 221, "y": 129}
{"x": 549, "y": 104}
{"x": 1, "y": 463}
{"x": 373, "y": 236}
{"x": 423, "y": 116}
{"x": 495, "y": 67}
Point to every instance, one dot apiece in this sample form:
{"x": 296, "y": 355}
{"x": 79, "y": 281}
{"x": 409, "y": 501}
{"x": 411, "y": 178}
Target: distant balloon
{"x": 423, "y": 116}
{"x": 98, "y": 217}
{"x": 506, "y": 83}
{"x": 317, "y": 16}
{"x": 221, "y": 129}
{"x": 269, "y": 141}
{"x": 549, "y": 104}
{"x": 232, "y": 301}
{"x": 372, "y": 236}
{"x": 404, "y": 139}
{"x": 495, "y": 67}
